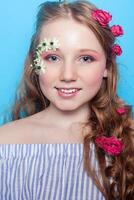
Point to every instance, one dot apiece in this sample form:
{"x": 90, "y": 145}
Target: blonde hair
{"x": 103, "y": 117}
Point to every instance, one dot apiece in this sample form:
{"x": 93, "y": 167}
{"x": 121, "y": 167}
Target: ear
{"x": 105, "y": 73}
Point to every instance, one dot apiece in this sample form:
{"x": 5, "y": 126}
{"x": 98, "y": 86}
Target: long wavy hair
{"x": 103, "y": 117}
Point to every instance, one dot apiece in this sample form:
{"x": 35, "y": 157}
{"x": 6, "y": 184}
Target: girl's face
{"x": 79, "y": 65}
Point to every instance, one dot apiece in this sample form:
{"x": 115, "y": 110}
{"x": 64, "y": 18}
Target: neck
{"x": 66, "y": 118}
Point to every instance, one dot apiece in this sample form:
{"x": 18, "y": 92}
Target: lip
{"x": 67, "y": 95}
{"x": 67, "y": 88}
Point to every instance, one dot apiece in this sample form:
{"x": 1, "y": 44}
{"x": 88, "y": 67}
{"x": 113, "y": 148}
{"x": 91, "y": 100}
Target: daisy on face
{"x": 41, "y": 69}
{"x": 45, "y": 45}
{"x": 54, "y": 44}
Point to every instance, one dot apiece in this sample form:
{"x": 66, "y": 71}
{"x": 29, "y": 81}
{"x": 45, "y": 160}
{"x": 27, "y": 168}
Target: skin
{"x": 68, "y": 67}
{"x": 61, "y": 121}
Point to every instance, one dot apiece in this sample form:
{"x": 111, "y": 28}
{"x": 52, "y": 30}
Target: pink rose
{"x": 102, "y": 17}
{"x": 110, "y": 145}
{"x": 116, "y": 49}
{"x": 117, "y": 30}
{"x": 121, "y": 110}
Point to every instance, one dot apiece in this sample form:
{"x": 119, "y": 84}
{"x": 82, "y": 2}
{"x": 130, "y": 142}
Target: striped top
{"x": 45, "y": 172}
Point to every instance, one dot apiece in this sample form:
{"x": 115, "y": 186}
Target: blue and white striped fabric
{"x": 45, "y": 172}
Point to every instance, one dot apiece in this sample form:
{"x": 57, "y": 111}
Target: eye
{"x": 51, "y": 58}
{"x": 87, "y": 58}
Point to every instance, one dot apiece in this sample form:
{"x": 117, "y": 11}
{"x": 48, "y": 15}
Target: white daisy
{"x": 56, "y": 43}
{"x": 43, "y": 67}
{"x": 45, "y": 45}
{"x": 53, "y": 44}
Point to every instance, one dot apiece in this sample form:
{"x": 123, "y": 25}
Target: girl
{"x": 71, "y": 135}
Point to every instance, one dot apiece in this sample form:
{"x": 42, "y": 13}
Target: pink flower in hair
{"x": 121, "y": 110}
{"x": 117, "y": 30}
{"x": 102, "y": 17}
{"x": 116, "y": 49}
{"x": 111, "y": 145}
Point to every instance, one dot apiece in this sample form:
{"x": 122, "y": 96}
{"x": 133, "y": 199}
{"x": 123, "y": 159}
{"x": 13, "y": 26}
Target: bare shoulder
{"x": 38, "y": 129}
{"x": 17, "y": 131}
{"x": 13, "y": 126}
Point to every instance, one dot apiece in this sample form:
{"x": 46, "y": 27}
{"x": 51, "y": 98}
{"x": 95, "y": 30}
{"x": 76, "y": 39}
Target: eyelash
{"x": 91, "y": 58}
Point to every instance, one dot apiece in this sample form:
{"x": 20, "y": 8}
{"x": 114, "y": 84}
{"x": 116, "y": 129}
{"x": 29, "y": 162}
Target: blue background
{"x": 17, "y": 21}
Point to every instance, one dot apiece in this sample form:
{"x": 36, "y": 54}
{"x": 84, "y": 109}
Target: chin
{"x": 67, "y": 107}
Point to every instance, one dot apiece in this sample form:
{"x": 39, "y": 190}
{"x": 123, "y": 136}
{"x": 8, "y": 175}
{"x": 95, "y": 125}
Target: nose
{"x": 68, "y": 72}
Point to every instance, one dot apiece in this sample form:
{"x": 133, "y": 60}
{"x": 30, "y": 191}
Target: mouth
{"x": 67, "y": 92}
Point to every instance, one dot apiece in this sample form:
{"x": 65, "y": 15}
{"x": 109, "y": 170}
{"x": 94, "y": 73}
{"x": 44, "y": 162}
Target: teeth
{"x": 68, "y": 90}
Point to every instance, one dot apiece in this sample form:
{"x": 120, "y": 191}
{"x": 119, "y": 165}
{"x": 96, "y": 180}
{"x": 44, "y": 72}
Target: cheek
{"x": 94, "y": 79}
{"x": 46, "y": 81}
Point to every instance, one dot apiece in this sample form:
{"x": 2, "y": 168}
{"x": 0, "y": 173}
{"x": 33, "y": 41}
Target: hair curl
{"x": 103, "y": 118}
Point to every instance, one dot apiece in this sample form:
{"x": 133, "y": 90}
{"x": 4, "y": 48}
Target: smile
{"x": 67, "y": 92}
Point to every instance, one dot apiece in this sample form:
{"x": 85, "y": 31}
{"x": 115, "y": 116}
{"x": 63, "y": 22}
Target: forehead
{"x": 71, "y": 35}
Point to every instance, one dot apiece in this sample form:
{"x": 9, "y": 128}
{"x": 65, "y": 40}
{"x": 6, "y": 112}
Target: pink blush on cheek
{"x": 45, "y": 83}
{"x": 42, "y": 55}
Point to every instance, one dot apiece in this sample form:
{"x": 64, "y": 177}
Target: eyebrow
{"x": 83, "y": 50}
